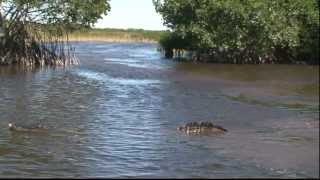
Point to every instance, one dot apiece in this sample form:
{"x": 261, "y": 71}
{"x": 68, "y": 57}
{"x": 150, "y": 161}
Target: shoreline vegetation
{"x": 116, "y": 35}
{"x": 164, "y": 39}
{"x": 221, "y": 31}
{"x": 29, "y": 45}
{"x": 31, "y": 31}
{"x": 242, "y": 32}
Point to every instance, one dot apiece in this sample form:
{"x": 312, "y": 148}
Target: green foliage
{"x": 32, "y": 28}
{"x": 174, "y": 41}
{"x": 253, "y": 28}
{"x": 57, "y": 12}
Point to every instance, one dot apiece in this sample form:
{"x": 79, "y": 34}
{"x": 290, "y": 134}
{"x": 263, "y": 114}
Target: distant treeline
{"x": 242, "y": 31}
{"x": 116, "y": 35}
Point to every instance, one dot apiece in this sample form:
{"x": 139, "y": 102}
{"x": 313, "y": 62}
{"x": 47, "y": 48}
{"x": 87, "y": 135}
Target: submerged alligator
{"x": 205, "y": 128}
{"x": 38, "y": 128}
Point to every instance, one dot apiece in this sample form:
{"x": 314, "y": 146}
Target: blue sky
{"x": 139, "y": 14}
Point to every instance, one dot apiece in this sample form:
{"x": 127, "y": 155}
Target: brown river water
{"x": 116, "y": 114}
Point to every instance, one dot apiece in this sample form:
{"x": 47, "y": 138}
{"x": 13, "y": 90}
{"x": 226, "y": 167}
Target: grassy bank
{"x": 117, "y": 35}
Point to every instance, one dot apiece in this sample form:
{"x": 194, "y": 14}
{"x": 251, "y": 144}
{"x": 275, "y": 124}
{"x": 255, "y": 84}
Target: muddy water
{"x": 116, "y": 115}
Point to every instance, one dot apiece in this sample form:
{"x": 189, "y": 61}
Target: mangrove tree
{"x": 35, "y": 32}
{"x": 243, "y": 31}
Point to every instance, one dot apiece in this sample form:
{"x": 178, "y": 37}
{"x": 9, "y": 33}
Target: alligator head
{"x": 12, "y": 126}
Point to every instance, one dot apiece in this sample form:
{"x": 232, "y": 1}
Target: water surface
{"x": 116, "y": 115}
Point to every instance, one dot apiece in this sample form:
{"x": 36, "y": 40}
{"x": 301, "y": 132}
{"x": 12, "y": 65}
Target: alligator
{"x": 36, "y": 129}
{"x": 202, "y": 128}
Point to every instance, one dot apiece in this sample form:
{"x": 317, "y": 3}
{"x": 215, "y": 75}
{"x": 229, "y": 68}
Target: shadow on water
{"x": 283, "y": 79}
{"x": 294, "y": 106}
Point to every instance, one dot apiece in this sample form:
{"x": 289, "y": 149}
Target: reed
{"x": 116, "y": 35}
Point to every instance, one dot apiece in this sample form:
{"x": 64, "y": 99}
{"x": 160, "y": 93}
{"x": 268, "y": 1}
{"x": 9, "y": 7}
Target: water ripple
{"x": 116, "y": 115}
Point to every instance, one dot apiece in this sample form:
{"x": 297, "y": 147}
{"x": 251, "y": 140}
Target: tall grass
{"x": 116, "y": 35}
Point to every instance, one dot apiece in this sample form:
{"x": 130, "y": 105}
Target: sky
{"x": 138, "y": 14}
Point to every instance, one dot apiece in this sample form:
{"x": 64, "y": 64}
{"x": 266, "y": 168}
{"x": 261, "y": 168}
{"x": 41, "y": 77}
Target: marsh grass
{"x": 117, "y": 35}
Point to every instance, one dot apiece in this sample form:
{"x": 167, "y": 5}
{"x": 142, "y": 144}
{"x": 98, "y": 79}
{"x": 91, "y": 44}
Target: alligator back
{"x": 35, "y": 129}
{"x": 204, "y": 128}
